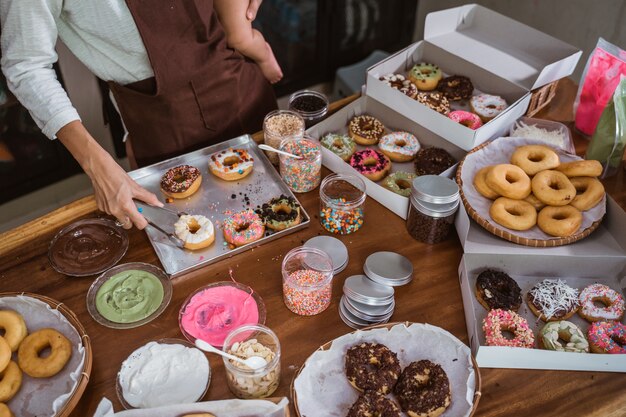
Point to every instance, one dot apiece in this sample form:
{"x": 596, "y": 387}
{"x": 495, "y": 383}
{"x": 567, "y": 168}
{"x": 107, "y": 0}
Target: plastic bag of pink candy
{"x": 601, "y": 76}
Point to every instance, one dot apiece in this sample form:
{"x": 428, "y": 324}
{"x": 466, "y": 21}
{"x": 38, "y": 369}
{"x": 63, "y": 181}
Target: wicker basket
{"x": 541, "y": 97}
{"x": 520, "y": 240}
{"x": 73, "y": 399}
{"x": 325, "y": 346}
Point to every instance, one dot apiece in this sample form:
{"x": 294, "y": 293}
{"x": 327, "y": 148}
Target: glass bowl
{"x": 167, "y": 341}
{"x": 82, "y": 248}
{"x": 95, "y": 286}
{"x": 226, "y": 326}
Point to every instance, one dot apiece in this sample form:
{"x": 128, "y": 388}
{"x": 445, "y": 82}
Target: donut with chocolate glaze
{"x": 372, "y": 367}
{"x": 435, "y": 100}
{"x": 456, "y": 87}
{"x": 366, "y": 130}
{"x": 181, "y": 181}
{"x": 495, "y": 289}
{"x": 432, "y": 161}
{"x": 280, "y": 213}
{"x": 423, "y": 389}
{"x": 373, "y": 403}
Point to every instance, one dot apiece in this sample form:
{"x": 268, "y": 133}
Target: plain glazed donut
{"x": 423, "y": 389}
{"x": 5, "y": 411}
{"x": 399, "y": 146}
{"x": 243, "y": 228}
{"x": 566, "y": 331}
{"x": 513, "y": 214}
{"x": 559, "y": 221}
{"x": 589, "y": 168}
{"x": 372, "y": 164}
{"x": 372, "y": 367}
{"x": 553, "y": 188}
{"x": 231, "y": 164}
{"x": 28, "y": 353}
{"x": 589, "y": 192}
{"x": 372, "y": 403}
{"x": 535, "y": 158}
{"x": 14, "y": 328}
{"x": 509, "y": 181}
{"x": 366, "y": 130}
{"x": 10, "y": 381}
{"x": 613, "y": 303}
{"x": 536, "y": 203}
{"x": 498, "y": 321}
{"x": 607, "y": 337}
{"x": 5, "y": 354}
{"x": 481, "y": 186}
{"x": 181, "y": 181}
{"x": 195, "y": 230}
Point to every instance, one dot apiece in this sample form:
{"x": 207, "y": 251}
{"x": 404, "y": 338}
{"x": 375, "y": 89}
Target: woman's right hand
{"x": 114, "y": 189}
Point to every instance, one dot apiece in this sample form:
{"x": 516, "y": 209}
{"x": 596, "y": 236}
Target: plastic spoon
{"x": 253, "y": 362}
{"x": 270, "y": 149}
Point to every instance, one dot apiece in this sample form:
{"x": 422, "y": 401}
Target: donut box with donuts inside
{"x": 498, "y": 54}
{"x": 598, "y": 259}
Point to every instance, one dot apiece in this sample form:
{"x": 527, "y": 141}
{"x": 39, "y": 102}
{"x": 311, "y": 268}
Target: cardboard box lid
{"x": 501, "y": 45}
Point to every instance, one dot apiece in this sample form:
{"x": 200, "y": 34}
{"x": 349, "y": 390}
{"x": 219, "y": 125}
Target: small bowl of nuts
{"x": 247, "y": 341}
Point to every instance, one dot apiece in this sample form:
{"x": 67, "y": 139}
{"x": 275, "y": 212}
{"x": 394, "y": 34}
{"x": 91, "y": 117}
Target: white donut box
{"x": 500, "y": 55}
{"x": 601, "y": 257}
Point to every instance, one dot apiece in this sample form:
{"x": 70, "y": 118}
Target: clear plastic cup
{"x": 342, "y": 199}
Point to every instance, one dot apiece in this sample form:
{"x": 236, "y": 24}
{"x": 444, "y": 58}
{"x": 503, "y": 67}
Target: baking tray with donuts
{"x": 216, "y": 199}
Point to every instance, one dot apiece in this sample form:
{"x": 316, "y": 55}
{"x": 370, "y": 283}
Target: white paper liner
{"x": 40, "y": 397}
{"x": 225, "y": 408}
{"x": 322, "y": 388}
{"x": 499, "y": 152}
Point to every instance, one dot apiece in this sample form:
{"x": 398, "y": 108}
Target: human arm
{"x": 28, "y": 40}
{"x": 253, "y": 8}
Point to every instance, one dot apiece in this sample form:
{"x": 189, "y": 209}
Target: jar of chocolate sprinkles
{"x": 311, "y": 105}
{"x": 433, "y": 204}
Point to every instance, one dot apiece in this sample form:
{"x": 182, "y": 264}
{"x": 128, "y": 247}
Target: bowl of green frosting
{"x": 129, "y": 295}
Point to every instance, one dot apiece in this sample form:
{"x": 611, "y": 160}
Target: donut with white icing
{"x": 613, "y": 303}
{"x": 553, "y": 300}
{"x": 487, "y": 106}
{"x": 399, "y": 146}
{"x": 195, "y": 230}
{"x": 231, "y": 164}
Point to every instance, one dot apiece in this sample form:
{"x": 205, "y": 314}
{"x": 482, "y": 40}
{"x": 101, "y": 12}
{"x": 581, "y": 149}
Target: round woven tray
{"x": 511, "y": 237}
{"x": 325, "y": 346}
{"x": 71, "y": 317}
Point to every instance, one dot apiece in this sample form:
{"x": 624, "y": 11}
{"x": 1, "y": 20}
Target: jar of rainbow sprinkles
{"x": 304, "y": 174}
{"x": 342, "y": 199}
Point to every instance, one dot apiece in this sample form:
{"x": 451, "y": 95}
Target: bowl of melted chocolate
{"x": 87, "y": 247}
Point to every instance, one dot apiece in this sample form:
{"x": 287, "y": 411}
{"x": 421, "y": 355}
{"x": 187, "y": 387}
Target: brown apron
{"x": 202, "y": 92}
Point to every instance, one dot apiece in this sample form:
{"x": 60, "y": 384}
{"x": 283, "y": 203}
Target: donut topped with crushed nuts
{"x": 372, "y": 366}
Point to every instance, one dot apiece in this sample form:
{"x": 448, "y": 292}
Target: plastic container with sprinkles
{"x": 433, "y": 204}
{"x": 307, "y": 280}
{"x": 301, "y": 175}
{"x": 311, "y": 105}
{"x": 342, "y": 200}
{"x": 279, "y": 125}
{"x": 247, "y": 341}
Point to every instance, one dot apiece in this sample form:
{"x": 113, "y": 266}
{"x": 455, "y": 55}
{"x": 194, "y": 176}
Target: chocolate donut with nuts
{"x": 495, "y": 289}
{"x": 372, "y": 367}
{"x": 423, "y": 389}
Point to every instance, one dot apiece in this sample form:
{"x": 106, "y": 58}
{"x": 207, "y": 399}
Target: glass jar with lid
{"x": 342, "y": 201}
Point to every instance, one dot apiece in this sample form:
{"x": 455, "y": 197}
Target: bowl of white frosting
{"x": 165, "y": 372}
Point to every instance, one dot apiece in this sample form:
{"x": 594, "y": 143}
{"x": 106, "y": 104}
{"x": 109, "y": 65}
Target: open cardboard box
{"x": 500, "y": 55}
{"x": 393, "y": 121}
{"x": 601, "y": 257}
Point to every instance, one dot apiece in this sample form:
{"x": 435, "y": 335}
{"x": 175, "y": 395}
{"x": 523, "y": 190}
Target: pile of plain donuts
{"x": 29, "y": 348}
{"x": 422, "y": 388}
{"x": 536, "y": 188}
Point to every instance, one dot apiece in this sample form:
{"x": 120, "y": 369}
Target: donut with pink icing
{"x": 466, "y": 118}
{"x": 607, "y": 337}
{"x": 613, "y": 303}
{"x": 242, "y": 228}
{"x": 372, "y": 164}
{"x": 498, "y": 321}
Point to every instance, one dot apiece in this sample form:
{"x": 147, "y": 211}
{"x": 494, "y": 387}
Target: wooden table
{"x": 433, "y": 297}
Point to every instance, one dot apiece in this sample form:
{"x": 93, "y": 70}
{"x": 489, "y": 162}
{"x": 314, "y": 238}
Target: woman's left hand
{"x": 253, "y": 8}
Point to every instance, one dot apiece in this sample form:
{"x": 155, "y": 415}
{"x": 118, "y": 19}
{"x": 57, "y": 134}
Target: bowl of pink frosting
{"x": 211, "y": 312}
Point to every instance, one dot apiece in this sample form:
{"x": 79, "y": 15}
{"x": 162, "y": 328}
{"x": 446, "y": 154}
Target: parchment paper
{"x": 40, "y": 397}
{"x": 226, "y": 408}
{"x": 499, "y": 152}
{"x": 323, "y": 389}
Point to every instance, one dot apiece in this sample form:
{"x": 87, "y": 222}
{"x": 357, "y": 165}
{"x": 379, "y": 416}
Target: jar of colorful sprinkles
{"x": 342, "y": 199}
{"x": 307, "y": 280}
{"x": 301, "y": 175}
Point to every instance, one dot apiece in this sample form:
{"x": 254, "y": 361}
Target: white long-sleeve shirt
{"x": 101, "y": 33}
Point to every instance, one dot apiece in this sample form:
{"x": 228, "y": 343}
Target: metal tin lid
{"x": 365, "y": 316}
{"x": 333, "y": 247}
{"x": 363, "y": 290}
{"x": 388, "y": 268}
{"x": 434, "y": 189}
{"x": 435, "y": 210}
{"x": 376, "y": 311}
{"x": 353, "y": 321}
{"x": 347, "y": 321}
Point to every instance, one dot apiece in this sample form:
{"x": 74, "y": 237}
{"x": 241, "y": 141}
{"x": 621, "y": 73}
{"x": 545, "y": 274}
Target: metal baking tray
{"x": 215, "y": 199}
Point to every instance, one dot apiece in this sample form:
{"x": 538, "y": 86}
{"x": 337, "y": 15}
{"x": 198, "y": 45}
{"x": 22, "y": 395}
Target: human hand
{"x": 115, "y": 192}
{"x": 253, "y": 8}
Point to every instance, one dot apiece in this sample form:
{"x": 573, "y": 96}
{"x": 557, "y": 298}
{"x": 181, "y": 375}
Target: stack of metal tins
{"x": 369, "y": 299}
{"x": 334, "y": 248}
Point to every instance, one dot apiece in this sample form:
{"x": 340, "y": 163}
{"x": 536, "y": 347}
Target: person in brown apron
{"x": 202, "y": 92}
